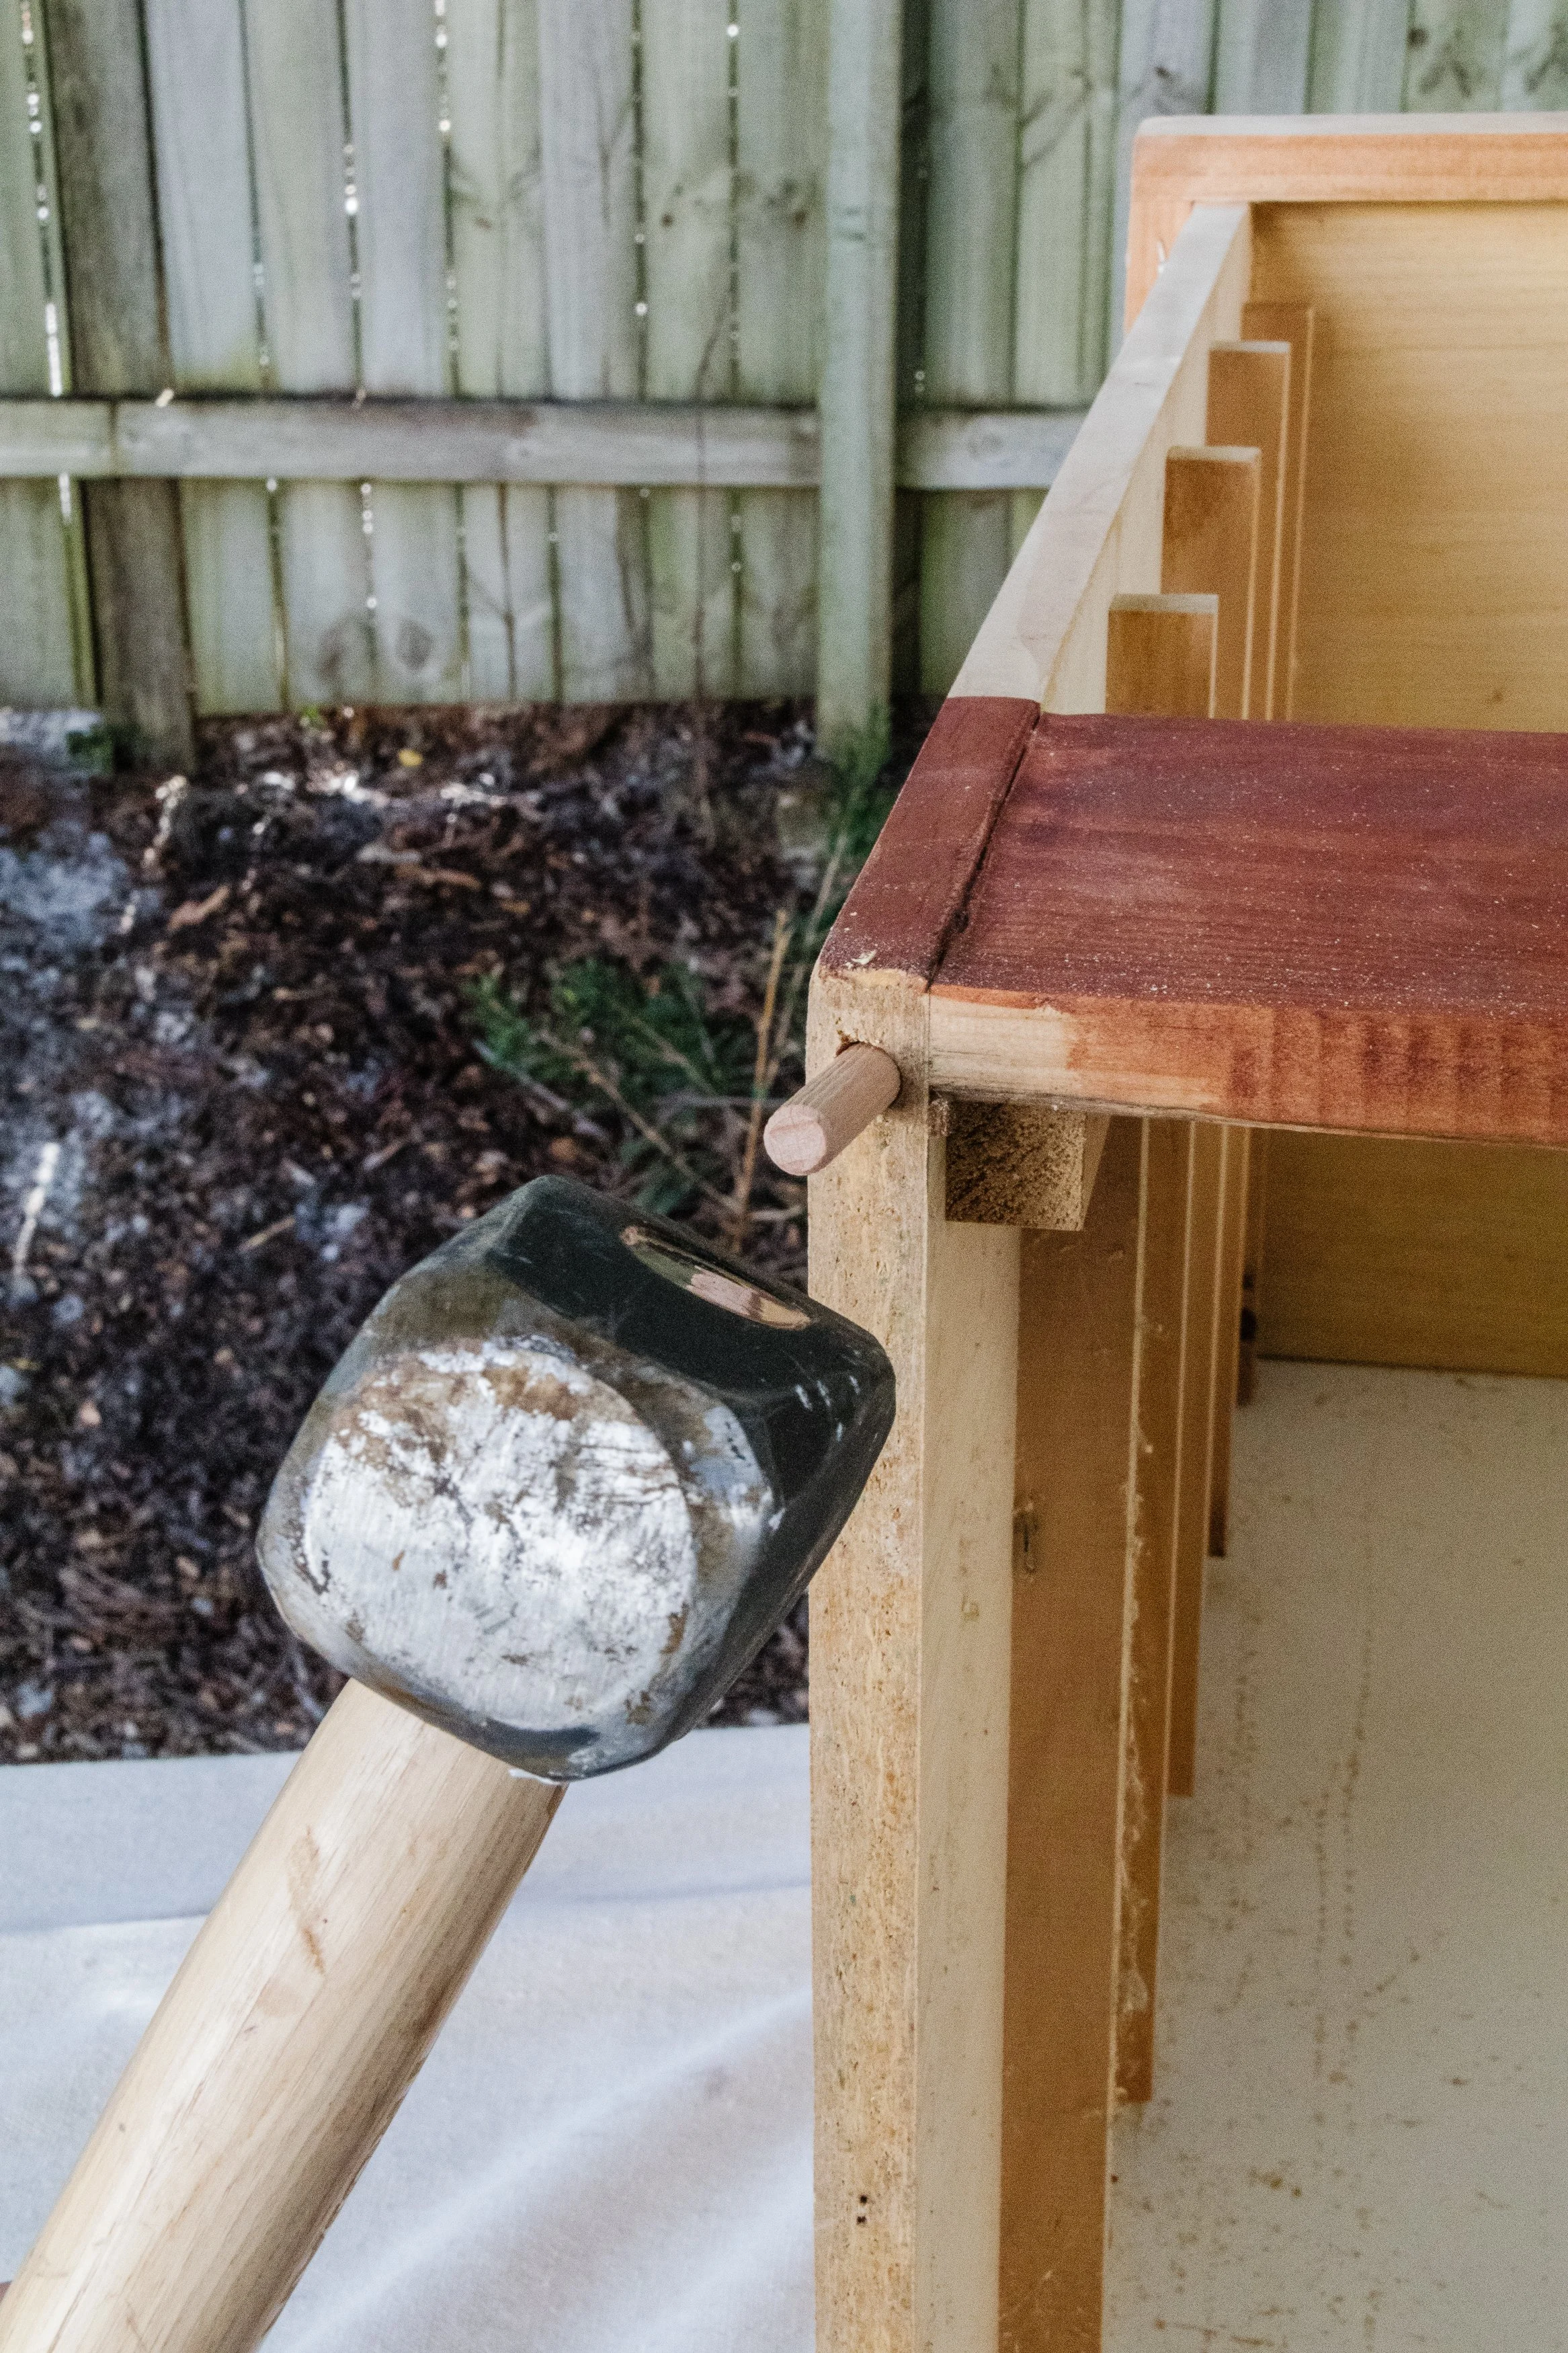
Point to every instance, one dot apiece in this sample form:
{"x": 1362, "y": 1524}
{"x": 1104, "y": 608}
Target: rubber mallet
{"x": 560, "y": 1489}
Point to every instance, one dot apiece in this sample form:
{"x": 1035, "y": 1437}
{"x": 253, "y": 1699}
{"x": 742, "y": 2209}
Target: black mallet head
{"x": 568, "y": 1479}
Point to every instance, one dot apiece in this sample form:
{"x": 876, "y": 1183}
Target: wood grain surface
{"x": 911, "y": 887}
{"x": 1335, "y": 927}
{"x": 1389, "y": 159}
{"x": 1073, "y": 1611}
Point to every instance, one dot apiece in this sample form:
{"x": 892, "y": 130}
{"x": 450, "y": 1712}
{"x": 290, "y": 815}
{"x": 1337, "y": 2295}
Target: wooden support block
{"x": 911, "y": 1626}
{"x": 1021, "y": 1164}
{"x": 1292, "y": 323}
{"x": 1072, "y": 1607}
{"x": 1249, "y": 402}
{"x": 1160, "y": 1360}
{"x": 1227, "y": 1349}
{"x": 1210, "y": 547}
{"x": 1159, "y": 655}
{"x": 1199, "y": 1349}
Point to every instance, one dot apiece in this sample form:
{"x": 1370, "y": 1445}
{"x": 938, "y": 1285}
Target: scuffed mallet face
{"x": 568, "y": 1479}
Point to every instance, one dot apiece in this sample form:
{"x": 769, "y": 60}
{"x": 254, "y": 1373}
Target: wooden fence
{"x": 428, "y": 349}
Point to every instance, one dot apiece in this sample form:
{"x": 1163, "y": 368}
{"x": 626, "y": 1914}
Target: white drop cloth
{"x": 611, "y": 2145}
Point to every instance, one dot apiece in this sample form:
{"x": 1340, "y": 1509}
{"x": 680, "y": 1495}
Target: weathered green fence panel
{"x": 971, "y": 254}
{"x": 114, "y": 320}
{"x": 37, "y": 652}
{"x": 208, "y": 220}
{"x": 494, "y": 192}
{"x": 399, "y": 170}
{"x": 1535, "y": 64}
{"x": 597, "y": 338}
{"x": 298, "y": 125}
{"x": 687, "y": 227}
{"x": 627, "y": 200}
{"x": 780, "y": 122}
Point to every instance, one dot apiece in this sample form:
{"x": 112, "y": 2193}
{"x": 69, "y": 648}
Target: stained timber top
{"x": 1345, "y": 927}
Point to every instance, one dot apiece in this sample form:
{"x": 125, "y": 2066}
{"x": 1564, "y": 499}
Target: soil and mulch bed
{"x": 268, "y": 1036}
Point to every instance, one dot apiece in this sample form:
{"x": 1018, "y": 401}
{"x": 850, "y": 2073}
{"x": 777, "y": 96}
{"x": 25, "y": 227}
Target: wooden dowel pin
{"x": 813, "y": 1127}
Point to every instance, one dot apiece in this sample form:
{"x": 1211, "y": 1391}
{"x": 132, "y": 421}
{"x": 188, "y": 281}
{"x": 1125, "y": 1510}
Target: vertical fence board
{"x": 1454, "y": 56}
{"x": 1165, "y": 67}
{"x": 202, "y": 163}
{"x": 1066, "y": 162}
{"x": 782, "y": 73}
{"x": 103, "y": 141}
{"x": 1358, "y": 55}
{"x": 498, "y": 270}
{"x": 687, "y": 219}
{"x": 587, "y": 151}
{"x": 227, "y": 534}
{"x": 971, "y": 246}
{"x": 36, "y": 654}
{"x": 1262, "y": 56}
{"x": 854, "y": 637}
{"x": 1535, "y": 64}
{"x": 394, "y": 112}
{"x": 296, "y": 131}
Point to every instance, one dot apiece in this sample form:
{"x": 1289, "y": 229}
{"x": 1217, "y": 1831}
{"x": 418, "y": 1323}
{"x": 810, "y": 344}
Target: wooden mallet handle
{"x": 278, "y": 2055}
{"x": 813, "y": 1127}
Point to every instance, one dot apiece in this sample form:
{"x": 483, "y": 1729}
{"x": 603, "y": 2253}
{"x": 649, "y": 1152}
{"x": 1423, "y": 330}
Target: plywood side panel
{"x": 1389, "y": 1252}
{"x": 1434, "y": 587}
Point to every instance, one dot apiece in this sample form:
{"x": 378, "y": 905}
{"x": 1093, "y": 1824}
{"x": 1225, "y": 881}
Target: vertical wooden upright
{"x": 854, "y": 643}
{"x": 911, "y": 1626}
{"x": 1073, "y": 1606}
{"x": 103, "y": 139}
{"x": 1159, "y": 660}
{"x": 1250, "y": 404}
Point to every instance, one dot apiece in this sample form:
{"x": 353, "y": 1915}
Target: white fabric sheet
{"x": 611, "y": 2145}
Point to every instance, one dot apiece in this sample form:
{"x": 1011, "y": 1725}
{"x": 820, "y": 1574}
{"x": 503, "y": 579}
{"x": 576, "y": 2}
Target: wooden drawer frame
{"x": 1004, "y": 1645}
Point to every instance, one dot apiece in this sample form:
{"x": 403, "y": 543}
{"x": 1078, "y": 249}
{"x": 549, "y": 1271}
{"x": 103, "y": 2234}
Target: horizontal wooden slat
{"x": 1338, "y": 927}
{"x": 630, "y": 443}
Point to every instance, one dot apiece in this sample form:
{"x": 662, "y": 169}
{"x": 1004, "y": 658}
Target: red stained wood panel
{"x": 913, "y": 885}
{"x": 1347, "y": 927}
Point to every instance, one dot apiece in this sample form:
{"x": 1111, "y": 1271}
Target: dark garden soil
{"x": 251, "y": 1030}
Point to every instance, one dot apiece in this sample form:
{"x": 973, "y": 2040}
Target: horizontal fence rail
{"x": 496, "y": 328}
{"x": 616, "y": 444}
